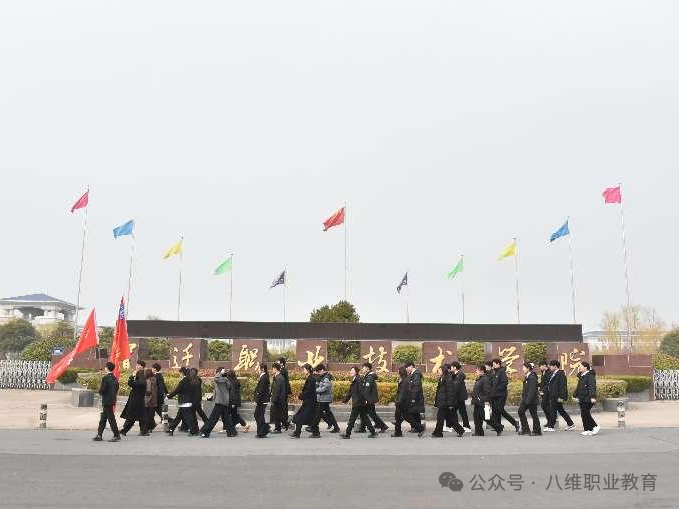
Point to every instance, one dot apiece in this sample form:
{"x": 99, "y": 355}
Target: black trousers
{"x": 262, "y": 427}
{"x": 129, "y": 422}
{"x": 449, "y": 414}
{"x": 588, "y": 421}
{"x": 544, "y": 404}
{"x": 416, "y": 421}
{"x": 399, "y": 416}
{"x": 498, "y": 412}
{"x": 285, "y": 418}
{"x": 108, "y": 415}
{"x": 554, "y": 408}
{"x": 372, "y": 414}
{"x": 462, "y": 410}
{"x": 323, "y": 412}
{"x": 355, "y": 412}
{"x": 218, "y": 412}
{"x": 479, "y": 417}
{"x": 235, "y": 417}
{"x": 533, "y": 409}
{"x": 187, "y": 416}
{"x": 150, "y": 421}
{"x": 276, "y": 415}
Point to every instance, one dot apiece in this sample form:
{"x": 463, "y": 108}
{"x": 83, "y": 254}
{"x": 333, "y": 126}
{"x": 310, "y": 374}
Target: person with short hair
{"x": 400, "y": 403}
{"x": 150, "y": 400}
{"x": 185, "y": 395}
{"x": 481, "y": 400}
{"x": 529, "y": 401}
{"x": 324, "y": 396}
{"x": 134, "y": 410}
{"x": 306, "y": 415}
{"x": 285, "y": 418}
{"x": 262, "y": 397}
{"x": 558, "y": 395}
{"x": 372, "y": 397}
{"x": 460, "y": 377}
{"x": 543, "y": 390}
{"x": 278, "y": 397}
{"x": 162, "y": 391}
{"x": 585, "y": 393}
{"x": 221, "y": 406}
{"x": 235, "y": 401}
{"x": 498, "y": 397}
{"x": 108, "y": 390}
{"x": 197, "y": 385}
{"x": 446, "y": 400}
{"x": 358, "y": 402}
{"x": 415, "y": 406}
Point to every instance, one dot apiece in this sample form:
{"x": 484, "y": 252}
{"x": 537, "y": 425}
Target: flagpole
{"x": 462, "y": 287}
{"x": 129, "y": 278}
{"x": 231, "y": 289}
{"x": 624, "y": 259}
{"x": 80, "y": 273}
{"x": 570, "y": 255}
{"x": 408, "y": 302}
{"x": 179, "y": 293}
{"x": 516, "y": 276}
{"x": 285, "y": 291}
{"x": 346, "y": 269}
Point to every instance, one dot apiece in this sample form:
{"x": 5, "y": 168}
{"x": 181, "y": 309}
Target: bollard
{"x": 166, "y": 418}
{"x": 621, "y": 414}
{"x": 43, "y": 416}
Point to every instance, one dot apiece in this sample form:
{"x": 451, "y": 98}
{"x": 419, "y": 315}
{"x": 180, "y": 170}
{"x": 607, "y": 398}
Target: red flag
{"x": 612, "y": 195}
{"x": 88, "y": 339}
{"x": 120, "y": 346}
{"x": 82, "y": 201}
{"x": 335, "y": 220}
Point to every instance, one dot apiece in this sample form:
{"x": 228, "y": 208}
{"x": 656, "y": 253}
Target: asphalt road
{"x": 65, "y": 469}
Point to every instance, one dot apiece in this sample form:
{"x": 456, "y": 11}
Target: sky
{"x": 448, "y": 128}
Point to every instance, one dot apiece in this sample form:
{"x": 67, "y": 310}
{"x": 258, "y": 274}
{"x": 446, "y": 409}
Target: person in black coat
{"x": 447, "y": 400}
{"x": 197, "y": 385}
{"x": 235, "y": 402}
{"x": 134, "y": 408}
{"x": 585, "y": 393}
{"x": 415, "y": 406}
{"x": 309, "y": 409}
{"x": 285, "y": 421}
{"x": 401, "y": 402}
{"x": 185, "y": 393}
{"x": 108, "y": 390}
{"x": 543, "y": 389}
{"x": 529, "y": 401}
{"x": 162, "y": 390}
{"x": 358, "y": 403}
{"x": 278, "y": 396}
{"x": 498, "y": 397}
{"x": 460, "y": 377}
{"x": 262, "y": 397}
{"x": 372, "y": 397}
{"x": 558, "y": 395}
{"x": 481, "y": 399}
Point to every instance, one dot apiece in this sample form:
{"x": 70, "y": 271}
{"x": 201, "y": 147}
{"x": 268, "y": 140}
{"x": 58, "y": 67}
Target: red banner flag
{"x": 612, "y": 195}
{"x": 335, "y": 220}
{"x": 82, "y": 202}
{"x": 120, "y": 347}
{"x": 88, "y": 339}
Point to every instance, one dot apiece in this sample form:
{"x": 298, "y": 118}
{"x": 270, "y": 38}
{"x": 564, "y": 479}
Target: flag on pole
{"x": 224, "y": 267}
{"x": 510, "y": 250}
{"x": 458, "y": 268}
{"x": 561, "y": 232}
{"x": 88, "y": 339}
{"x": 280, "y": 280}
{"x": 124, "y": 229}
{"x": 82, "y": 202}
{"x": 335, "y": 220}
{"x": 612, "y": 195}
{"x": 176, "y": 249}
{"x": 404, "y": 282}
{"x": 120, "y": 347}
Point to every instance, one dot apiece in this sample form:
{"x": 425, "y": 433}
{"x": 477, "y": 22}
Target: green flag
{"x": 458, "y": 268}
{"x": 224, "y": 267}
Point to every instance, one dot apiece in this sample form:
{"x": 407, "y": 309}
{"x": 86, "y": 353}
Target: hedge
{"x": 662, "y": 361}
{"x": 635, "y": 383}
{"x": 606, "y": 387}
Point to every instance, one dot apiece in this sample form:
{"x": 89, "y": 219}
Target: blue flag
{"x": 561, "y": 232}
{"x": 125, "y": 229}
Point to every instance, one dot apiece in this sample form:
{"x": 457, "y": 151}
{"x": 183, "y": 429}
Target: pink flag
{"x": 612, "y": 195}
{"x": 82, "y": 201}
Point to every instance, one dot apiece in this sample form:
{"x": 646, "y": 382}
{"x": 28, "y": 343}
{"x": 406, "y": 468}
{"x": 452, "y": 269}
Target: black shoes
{"x": 437, "y": 435}
{"x": 295, "y": 436}
{"x": 373, "y": 435}
{"x": 516, "y": 426}
{"x": 345, "y": 436}
{"x": 115, "y": 439}
{"x": 98, "y": 439}
{"x": 276, "y": 432}
{"x": 384, "y": 430}
{"x": 396, "y": 435}
{"x": 335, "y": 430}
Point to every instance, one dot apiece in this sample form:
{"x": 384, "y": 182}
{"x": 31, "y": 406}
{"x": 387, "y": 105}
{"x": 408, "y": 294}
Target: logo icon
{"x": 448, "y": 479}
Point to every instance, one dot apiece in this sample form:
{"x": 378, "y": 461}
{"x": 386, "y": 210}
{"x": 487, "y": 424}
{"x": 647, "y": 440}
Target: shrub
{"x": 471, "y": 353}
{"x": 534, "y": 352}
{"x": 41, "y": 348}
{"x": 158, "y": 348}
{"x": 662, "y": 361}
{"x": 670, "y": 343}
{"x": 635, "y": 383}
{"x": 219, "y": 350}
{"x": 69, "y": 376}
{"x": 344, "y": 351}
{"x": 407, "y": 353}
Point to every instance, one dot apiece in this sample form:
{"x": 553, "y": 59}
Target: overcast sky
{"x": 448, "y": 127}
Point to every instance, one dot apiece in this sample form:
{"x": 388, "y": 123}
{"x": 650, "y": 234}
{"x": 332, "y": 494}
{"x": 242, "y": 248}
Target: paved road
{"x": 65, "y": 469}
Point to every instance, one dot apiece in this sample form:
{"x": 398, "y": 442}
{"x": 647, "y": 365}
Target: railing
{"x": 15, "y": 374}
{"x": 666, "y": 384}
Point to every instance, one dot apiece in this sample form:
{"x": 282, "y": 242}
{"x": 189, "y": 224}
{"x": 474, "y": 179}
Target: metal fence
{"x": 666, "y": 384}
{"x": 17, "y": 374}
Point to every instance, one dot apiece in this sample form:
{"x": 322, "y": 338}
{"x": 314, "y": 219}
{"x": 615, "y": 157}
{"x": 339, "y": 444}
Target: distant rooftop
{"x": 36, "y": 298}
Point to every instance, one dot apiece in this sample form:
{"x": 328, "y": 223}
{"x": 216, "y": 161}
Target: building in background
{"x": 37, "y": 308}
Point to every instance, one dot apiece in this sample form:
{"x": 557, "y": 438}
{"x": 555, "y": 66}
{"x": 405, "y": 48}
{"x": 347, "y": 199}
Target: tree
{"x": 535, "y": 352}
{"x": 670, "y": 343}
{"x": 105, "y": 338}
{"x": 58, "y": 335}
{"x": 471, "y": 353}
{"x": 158, "y": 348}
{"x": 646, "y": 327}
{"x": 15, "y": 335}
{"x": 343, "y": 311}
{"x": 406, "y": 353}
{"x": 218, "y": 350}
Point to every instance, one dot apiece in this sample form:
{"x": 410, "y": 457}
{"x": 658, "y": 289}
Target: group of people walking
{"x": 488, "y": 398}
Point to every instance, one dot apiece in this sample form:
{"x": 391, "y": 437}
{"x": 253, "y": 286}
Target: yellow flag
{"x": 510, "y": 250}
{"x": 176, "y": 249}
